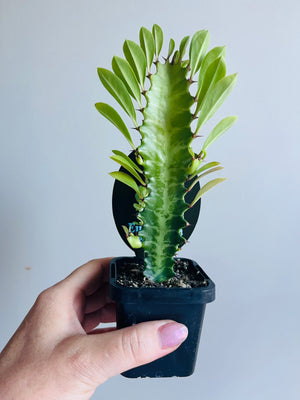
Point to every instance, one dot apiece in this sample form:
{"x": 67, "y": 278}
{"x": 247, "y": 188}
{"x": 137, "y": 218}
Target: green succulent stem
{"x": 166, "y": 137}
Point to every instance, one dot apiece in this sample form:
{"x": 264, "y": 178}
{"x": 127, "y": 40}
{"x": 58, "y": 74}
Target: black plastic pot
{"x": 186, "y": 306}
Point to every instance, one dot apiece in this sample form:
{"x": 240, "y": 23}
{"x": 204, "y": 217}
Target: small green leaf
{"x": 215, "y": 72}
{"x": 214, "y": 98}
{"x": 203, "y": 175}
{"x": 204, "y": 168}
{"x": 209, "y": 185}
{"x": 185, "y": 63}
{"x": 134, "y": 241}
{"x": 117, "y": 89}
{"x": 139, "y": 159}
{"x": 193, "y": 166}
{"x": 218, "y": 130}
{"x": 198, "y": 48}
{"x": 111, "y": 114}
{"x": 158, "y": 39}
{"x": 211, "y": 56}
{"x": 132, "y": 163}
{"x": 148, "y": 45}
{"x": 138, "y": 206}
{"x": 124, "y": 71}
{"x": 144, "y": 192}
{"x": 124, "y": 163}
{"x": 183, "y": 46}
{"x": 137, "y": 60}
{"x": 171, "y": 47}
{"x": 216, "y": 52}
{"x": 127, "y": 180}
{"x": 125, "y": 229}
{"x": 176, "y": 57}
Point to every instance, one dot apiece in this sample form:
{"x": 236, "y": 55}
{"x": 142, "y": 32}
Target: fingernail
{"x": 172, "y": 334}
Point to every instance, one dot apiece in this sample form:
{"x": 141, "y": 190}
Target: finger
{"x": 105, "y": 315}
{"x": 89, "y": 277}
{"x": 97, "y": 300}
{"x": 118, "y": 351}
{"x": 101, "y": 330}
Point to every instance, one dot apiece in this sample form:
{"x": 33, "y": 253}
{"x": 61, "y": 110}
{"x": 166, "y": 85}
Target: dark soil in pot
{"x": 131, "y": 275}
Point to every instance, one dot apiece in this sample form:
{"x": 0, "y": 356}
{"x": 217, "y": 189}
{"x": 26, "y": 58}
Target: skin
{"x": 57, "y": 354}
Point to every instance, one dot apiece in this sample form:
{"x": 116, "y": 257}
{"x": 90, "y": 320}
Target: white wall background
{"x": 55, "y": 210}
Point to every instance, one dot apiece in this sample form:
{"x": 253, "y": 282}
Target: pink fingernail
{"x": 172, "y": 334}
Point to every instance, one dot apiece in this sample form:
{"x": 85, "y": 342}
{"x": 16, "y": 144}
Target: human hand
{"x": 57, "y": 354}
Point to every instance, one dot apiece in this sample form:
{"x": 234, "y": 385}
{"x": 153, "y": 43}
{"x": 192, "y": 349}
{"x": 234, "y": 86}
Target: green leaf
{"x": 215, "y": 72}
{"x": 209, "y": 185}
{"x": 125, "y": 164}
{"x": 202, "y": 176}
{"x": 138, "y": 206}
{"x": 148, "y": 45}
{"x": 183, "y": 46}
{"x": 218, "y": 130}
{"x": 124, "y": 71}
{"x": 158, "y": 38}
{"x": 117, "y": 89}
{"x": 125, "y": 229}
{"x": 111, "y": 114}
{"x": 171, "y": 47}
{"x": 132, "y": 163}
{"x": 127, "y": 180}
{"x": 204, "y": 168}
{"x": 198, "y": 48}
{"x": 137, "y": 60}
{"x": 211, "y": 56}
{"x": 176, "y": 57}
{"x": 134, "y": 241}
{"x": 185, "y": 63}
{"x": 214, "y": 98}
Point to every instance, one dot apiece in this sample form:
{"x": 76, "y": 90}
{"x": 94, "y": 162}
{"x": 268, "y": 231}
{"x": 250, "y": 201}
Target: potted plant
{"x": 156, "y": 196}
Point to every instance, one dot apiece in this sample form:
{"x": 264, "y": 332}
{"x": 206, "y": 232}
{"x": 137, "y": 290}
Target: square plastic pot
{"x": 187, "y": 306}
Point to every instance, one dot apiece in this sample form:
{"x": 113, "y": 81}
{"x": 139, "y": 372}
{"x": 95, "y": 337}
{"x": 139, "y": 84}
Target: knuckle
{"x": 48, "y": 299}
{"x": 45, "y": 296}
{"x": 42, "y": 295}
{"x": 127, "y": 351}
{"x": 80, "y": 364}
{"x": 133, "y": 346}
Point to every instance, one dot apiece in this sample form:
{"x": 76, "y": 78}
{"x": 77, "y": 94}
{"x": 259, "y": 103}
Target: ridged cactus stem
{"x": 166, "y": 137}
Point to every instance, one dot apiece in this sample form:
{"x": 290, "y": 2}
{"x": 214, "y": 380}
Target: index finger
{"x": 90, "y": 276}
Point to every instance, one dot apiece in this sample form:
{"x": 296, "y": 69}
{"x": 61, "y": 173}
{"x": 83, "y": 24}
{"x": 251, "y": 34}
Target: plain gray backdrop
{"x": 55, "y": 211}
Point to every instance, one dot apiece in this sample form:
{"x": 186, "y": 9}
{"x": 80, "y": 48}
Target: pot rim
{"x": 124, "y": 294}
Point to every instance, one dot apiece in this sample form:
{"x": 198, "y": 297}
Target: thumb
{"x": 117, "y": 351}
